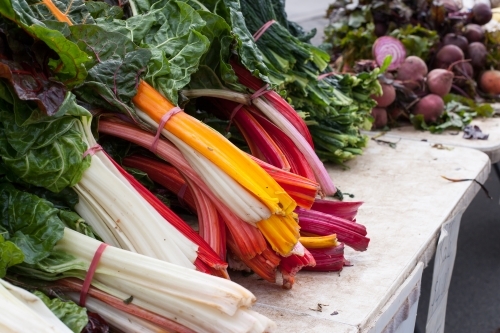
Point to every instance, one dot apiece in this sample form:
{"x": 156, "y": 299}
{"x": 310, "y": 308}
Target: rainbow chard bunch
{"x": 72, "y": 69}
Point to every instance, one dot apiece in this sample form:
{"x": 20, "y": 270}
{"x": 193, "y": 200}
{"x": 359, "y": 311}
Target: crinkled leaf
{"x": 102, "y": 10}
{"x": 29, "y": 222}
{"x": 134, "y": 28}
{"x": 121, "y": 75}
{"x": 181, "y": 44}
{"x": 100, "y": 95}
{"x": 100, "y": 44}
{"x": 217, "y": 57}
{"x": 72, "y": 315}
{"x": 70, "y": 67}
{"x": 65, "y": 199}
{"x": 10, "y": 255}
{"x": 47, "y": 152}
{"x": 250, "y": 55}
{"x": 29, "y": 12}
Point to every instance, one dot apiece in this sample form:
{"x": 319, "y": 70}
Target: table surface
{"x": 455, "y": 138}
{"x": 406, "y": 202}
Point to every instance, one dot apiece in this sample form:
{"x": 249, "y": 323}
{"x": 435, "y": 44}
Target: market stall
{"x": 121, "y": 120}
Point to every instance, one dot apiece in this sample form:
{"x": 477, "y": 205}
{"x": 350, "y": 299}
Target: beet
{"x": 439, "y": 81}
{"x": 450, "y": 5}
{"x": 388, "y": 96}
{"x": 448, "y": 55}
{"x": 477, "y": 53}
{"x": 490, "y": 82}
{"x": 413, "y": 69}
{"x": 454, "y": 39}
{"x": 481, "y": 13}
{"x": 431, "y": 107}
{"x": 474, "y": 33}
{"x": 380, "y": 116}
{"x": 389, "y": 46}
{"x": 464, "y": 69}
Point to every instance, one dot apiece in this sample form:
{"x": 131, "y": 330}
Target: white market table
{"x": 406, "y": 204}
{"x": 490, "y": 147}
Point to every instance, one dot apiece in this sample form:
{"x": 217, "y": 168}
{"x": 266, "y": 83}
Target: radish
{"x": 388, "y": 96}
{"x": 439, "y": 81}
{"x": 474, "y": 33}
{"x": 380, "y": 116}
{"x": 490, "y": 82}
{"x": 448, "y": 55}
{"x": 431, "y": 107}
{"x": 389, "y": 46}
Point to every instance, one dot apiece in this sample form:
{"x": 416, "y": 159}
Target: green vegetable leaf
{"x": 10, "y": 255}
{"x": 42, "y": 151}
{"x": 29, "y": 12}
{"x": 100, "y": 44}
{"x": 70, "y": 67}
{"x": 417, "y": 40}
{"x": 72, "y": 315}
{"x": 102, "y": 10}
{"x": 29, "y": 222}
{"x": 178, "y": 47}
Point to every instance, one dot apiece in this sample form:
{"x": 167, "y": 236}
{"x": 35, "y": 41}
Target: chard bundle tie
{"x": 162, "y": 123}
{"x": 92, "y": 150}
{"x": 262, "y": 30}
{"x": 90, "y": 273}
{"x": 262, "y": 91}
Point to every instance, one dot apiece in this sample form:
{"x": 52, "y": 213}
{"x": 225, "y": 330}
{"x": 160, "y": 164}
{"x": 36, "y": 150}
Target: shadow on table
{"x": 474, "y": 295}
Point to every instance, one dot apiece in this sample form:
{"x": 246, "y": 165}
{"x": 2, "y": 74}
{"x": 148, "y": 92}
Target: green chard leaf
{"x": 40, "y": 150}
{"x": 10, "y": 254}
{"x": 178, "y": 47}
{"x": 29, "y": 222}
{"x": 73, "y": 316}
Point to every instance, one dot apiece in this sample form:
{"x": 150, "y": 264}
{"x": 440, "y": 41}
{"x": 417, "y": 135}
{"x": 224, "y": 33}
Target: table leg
{"x": 443, "y": 268}
{"x": 496, "y": 166}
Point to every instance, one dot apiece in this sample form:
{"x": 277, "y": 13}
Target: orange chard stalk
{"x": 217, "y": 149}
{"x": 264, "y": 264}
{"x": 301, "y": 189}
{"x": 60, "y": 16}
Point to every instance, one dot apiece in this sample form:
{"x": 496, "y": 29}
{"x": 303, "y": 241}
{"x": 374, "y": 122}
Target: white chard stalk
{"x": 122, "y": 217}
{"x": 21, "y": 312}
{"x": 201, "y": 302}
{"x": 241, "y": 202}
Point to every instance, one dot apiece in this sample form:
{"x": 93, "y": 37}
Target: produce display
{"x": 444, "y": 62}
{"x": 116, "y": 120}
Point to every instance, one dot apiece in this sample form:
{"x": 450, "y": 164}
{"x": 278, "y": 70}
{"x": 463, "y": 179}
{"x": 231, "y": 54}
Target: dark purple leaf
{"x": 473, "y": 132}
{"x": 31, "y": 85}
